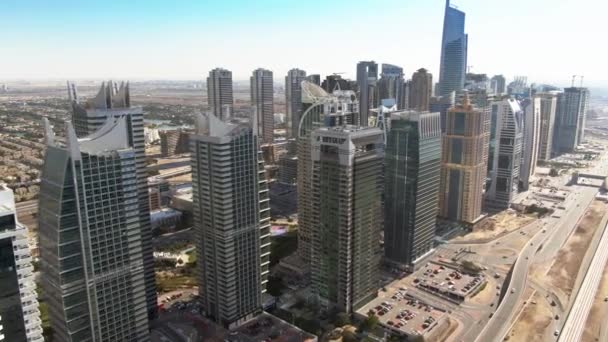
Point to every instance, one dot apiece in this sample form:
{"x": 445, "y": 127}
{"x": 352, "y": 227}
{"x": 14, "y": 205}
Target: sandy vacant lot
{"x": 533, "y": 321}
{"x": 503, "y": 222}
{"x": 564, "y": 271}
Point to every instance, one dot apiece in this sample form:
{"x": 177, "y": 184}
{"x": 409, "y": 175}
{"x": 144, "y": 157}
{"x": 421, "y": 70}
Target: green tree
{"x": 342, "y": 319}
{"x": 370, "y": 323}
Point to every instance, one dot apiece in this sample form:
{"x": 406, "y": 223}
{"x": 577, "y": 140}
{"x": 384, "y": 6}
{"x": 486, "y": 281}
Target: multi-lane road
{"x": 559, "y": 227}
{"x": 574, "y": 326}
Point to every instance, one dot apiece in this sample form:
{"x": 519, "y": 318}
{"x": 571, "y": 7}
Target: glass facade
{"x": 412, "y": 171}
{"x": 453, "y": 51}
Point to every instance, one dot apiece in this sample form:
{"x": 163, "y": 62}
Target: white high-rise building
{"x": 548, "y": 106}
{"x": 506, "y": 156}
{"x": 262, "y": 101}
{"x": 532, "y": 125}
{"x": 19, "y": 314}
{"x": 219, "y": 92}
{"x": 293, "y": 100}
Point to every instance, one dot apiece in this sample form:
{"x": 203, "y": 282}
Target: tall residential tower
{"x": 231, "y": 219}
{"x": 293, "y": 100}
{"x": 367, "y": 78}
{"x": 262, "y": 100}
{"x": 548, "y": 106}
{"x": 421, "y": 90}
{"x": 219, "y": 92}
{"x": 464, "y": 162}
{"x": 570, "y": 116}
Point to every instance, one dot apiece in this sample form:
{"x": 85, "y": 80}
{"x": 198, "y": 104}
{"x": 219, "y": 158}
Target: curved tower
{"x": 454, "y": 43}
{"x": 320, "y": 109}
{"x": 91, "y": 237}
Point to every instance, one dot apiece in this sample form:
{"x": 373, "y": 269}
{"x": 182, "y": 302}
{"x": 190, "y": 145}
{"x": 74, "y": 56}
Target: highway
{"x": 551, "y": 242}
{"x": 574, "y": 327}
{"x": 563, "y": 223}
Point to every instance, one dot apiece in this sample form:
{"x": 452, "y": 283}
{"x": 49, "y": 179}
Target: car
{"x": 513, "y": 290}
{"x": 556, "y": 317}
{"x": 491, "y": 304}
{"x": 556, "y": 333}
{"x": 606, "y": 299}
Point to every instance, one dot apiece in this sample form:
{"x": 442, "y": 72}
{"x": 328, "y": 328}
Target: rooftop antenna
{"x": 582, "y": 77}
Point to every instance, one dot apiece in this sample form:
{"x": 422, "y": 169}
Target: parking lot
{"x": 447, "y": 282}
{"x": 403, "y": 314}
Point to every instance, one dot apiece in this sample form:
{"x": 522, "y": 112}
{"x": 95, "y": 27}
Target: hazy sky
{"x": 547, "y": 40}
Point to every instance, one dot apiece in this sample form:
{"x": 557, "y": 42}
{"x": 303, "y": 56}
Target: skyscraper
{"x": 367, "y": 77}
{"x": 347, "y": 188}
{"x": 219, "y": 92}
{"x": 19, "y": 315}
{"x": 231, "y": 219}
{"x": 464, "y": 163}
{"x": 293, "y": 100}
{"x": 498, "y": 84}
{"x": 91, "y": 237}
{"x": 421, "y": 90}
{"x": 570, "y": 119}
{"x": 336, "y": 82}
{"x": 506, "y": 161}
{"x": 314, "y": 78}
{"x": 441, "y": 104}
{"x": 112, "y": 102}
{"x": 532, "y": 118}
{"x": 412, "y": 170}
{"x": 548, "y": 106}
{"x": 391, "y": 85}
{"x": 262, "y": 93}
{"x": 453, "y": 51}
{"x": 320, "y": 109}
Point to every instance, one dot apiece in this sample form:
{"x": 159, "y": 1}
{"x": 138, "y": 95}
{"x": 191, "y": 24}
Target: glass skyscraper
{"x": 453, "y": 51}
{"x": 412, "y": 170}
{"x": 347, "y": 205}
{"x": 91, "y": 237}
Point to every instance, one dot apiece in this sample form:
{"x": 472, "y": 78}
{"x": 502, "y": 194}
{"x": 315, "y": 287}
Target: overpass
{"x": 576, "y": 176}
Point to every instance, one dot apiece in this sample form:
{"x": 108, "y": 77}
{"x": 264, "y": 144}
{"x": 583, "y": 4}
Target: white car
{"x": 513, "y": 290}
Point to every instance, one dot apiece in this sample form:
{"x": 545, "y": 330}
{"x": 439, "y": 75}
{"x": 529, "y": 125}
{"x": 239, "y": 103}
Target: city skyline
{"x": 173, "y": 42}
